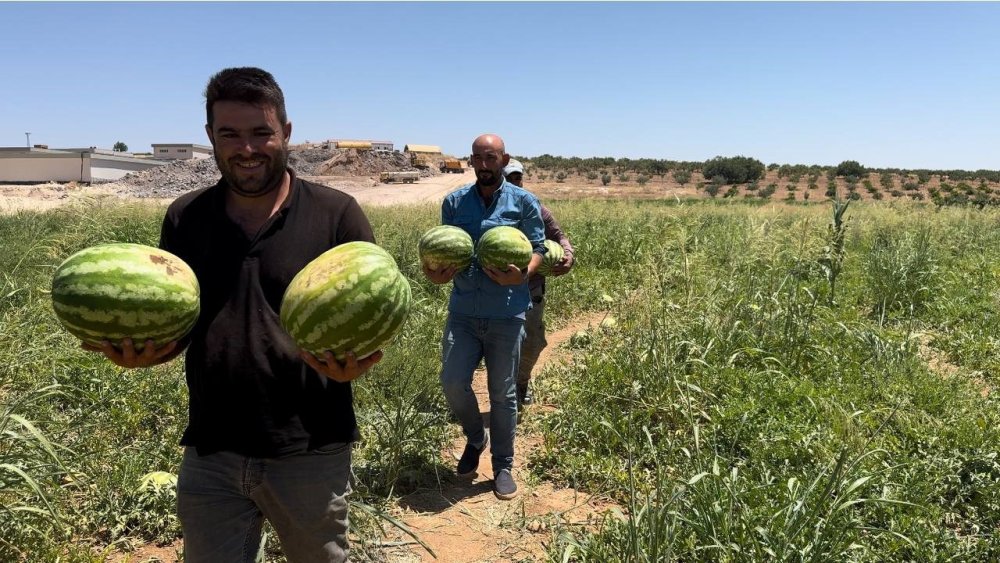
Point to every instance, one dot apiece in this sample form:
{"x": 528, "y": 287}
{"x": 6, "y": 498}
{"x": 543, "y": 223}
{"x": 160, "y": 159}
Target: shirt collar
{"x": 293, "y": 193}
{"x": 500, "y": 189}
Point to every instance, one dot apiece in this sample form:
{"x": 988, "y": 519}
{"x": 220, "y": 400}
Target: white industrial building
{"x": 180, "y": 151}
{"x": 85, "y": 165}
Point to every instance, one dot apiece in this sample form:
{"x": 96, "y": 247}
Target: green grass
{"x": 774, "y": 422}
{"x": 744, "y": 407}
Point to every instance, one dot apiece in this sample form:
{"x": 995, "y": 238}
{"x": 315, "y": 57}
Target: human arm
{"x": 353, "y": 225}
{"x": 554, "y": 232}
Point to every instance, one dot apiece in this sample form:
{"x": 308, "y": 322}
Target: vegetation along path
{"x": 462, "y": 522}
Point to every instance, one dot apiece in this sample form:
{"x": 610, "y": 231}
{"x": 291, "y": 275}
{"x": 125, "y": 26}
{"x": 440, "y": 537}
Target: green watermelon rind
{"x": 446, "y": 246}
{"x": 123, "y": 290}
{"x": 502, "y": 246}
{"x": 553, "y": 255}
{"x": 350, "y": 298}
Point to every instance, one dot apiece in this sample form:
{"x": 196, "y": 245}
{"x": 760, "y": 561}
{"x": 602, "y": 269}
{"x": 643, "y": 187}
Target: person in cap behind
{"x": 534, "y": 322}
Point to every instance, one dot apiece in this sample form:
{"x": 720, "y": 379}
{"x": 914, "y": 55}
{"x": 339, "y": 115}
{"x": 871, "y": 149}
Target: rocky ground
{"x": 182, "y": 176}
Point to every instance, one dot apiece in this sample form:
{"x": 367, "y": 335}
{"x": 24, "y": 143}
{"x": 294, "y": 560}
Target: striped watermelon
{"x": 553, "y": 255}
{"x": 351, "y": 297}
{"x": 119, "y": 290}
{"x": 503, "y": 245}
{"x": 445, "y": 246}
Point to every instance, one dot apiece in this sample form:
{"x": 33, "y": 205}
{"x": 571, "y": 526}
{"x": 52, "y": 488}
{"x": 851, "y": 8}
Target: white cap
{"x": 513, "y": 167}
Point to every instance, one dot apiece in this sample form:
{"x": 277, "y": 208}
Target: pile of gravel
{"x": 306, "y": 161}
{"x": 171, "y": 180}
{"x": 182, "y": 176}
{"x": 350, "y": 162}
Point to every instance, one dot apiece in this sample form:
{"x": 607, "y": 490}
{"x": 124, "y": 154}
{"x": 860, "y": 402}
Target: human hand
{"x": 563, "y": 266}
{"x": 440, "y": 275}
{"x": 341, "y": 372}
{"x": 126, "y": 355}
{"x": 511, "y": 276}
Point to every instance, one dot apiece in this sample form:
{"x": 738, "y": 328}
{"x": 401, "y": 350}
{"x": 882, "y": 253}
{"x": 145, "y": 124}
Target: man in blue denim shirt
{"x": 486, "y": 311}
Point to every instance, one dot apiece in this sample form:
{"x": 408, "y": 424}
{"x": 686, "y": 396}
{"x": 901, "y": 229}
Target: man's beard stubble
{"x": 274, "y": 172}
{"x": 487, "y": 178}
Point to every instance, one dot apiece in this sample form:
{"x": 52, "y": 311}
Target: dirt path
{"x": 462, "y": 522}
{"x": 43, "y": 197}
{"x": 431, "y": 189}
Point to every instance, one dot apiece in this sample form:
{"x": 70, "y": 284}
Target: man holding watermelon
{"x": 487, "y": 307}
{"x": 270, "y": 426}
{"x": 534, "y": 323}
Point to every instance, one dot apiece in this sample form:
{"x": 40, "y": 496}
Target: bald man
{"x": 486, "y": 311}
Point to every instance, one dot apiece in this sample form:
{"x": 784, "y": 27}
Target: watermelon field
{"x": 784, "y": 382}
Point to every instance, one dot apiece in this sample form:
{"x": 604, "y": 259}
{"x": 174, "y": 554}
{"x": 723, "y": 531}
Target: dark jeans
{"x": 223, "y": 498}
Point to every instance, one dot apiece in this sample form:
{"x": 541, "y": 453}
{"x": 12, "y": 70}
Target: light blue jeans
{"x": 467, "y": 340}
{"x": 223, "y": 498}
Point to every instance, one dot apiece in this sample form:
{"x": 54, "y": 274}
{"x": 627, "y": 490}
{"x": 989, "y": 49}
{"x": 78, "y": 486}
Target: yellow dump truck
{"x": 401, "y": 177}
{"x": 452, "y": 165}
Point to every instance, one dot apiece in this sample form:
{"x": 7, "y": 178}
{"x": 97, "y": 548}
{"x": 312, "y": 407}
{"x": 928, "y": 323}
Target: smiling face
{"x": 251, "y": 146}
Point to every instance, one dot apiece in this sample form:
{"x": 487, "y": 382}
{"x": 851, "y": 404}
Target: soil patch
{"x": 463, "y": 522}
{"x": 939, "y": 364}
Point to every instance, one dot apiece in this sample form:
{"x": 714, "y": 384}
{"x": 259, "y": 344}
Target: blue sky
{"x": 908, "y": 85}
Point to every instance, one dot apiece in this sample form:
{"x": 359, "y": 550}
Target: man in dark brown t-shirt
{"x": 270, "y": 426}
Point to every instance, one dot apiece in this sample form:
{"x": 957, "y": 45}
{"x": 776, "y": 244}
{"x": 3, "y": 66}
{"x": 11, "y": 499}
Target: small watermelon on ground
{"x": 120, "y": 290}
{"x": 350, "y": 298}
{"x": 579, "y": 339}
{"x": 553, "y": 255}
{"x": 445, "y": 246}
{"x": 501, "y": 246}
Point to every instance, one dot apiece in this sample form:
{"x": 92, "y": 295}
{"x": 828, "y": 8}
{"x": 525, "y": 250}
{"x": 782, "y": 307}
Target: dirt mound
{"x": 351, "y": 162}
{"x": 182, "y": 176}
{"x": 306, "y": 161}
{"x": 171, "y": 180}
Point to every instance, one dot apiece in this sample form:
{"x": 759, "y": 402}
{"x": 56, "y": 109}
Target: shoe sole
{"x": 502, "y": 496}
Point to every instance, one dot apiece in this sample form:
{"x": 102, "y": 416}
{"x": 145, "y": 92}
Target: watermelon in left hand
{"x": 121, "y": 290}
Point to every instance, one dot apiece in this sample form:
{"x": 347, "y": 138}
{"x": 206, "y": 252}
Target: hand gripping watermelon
{"x": 120, "y": 290}
{"x": 553, "y": 255}
{"x": 351, "y": 297}
{"x": 445, "y": 246}
{"x": 503, "y": 245}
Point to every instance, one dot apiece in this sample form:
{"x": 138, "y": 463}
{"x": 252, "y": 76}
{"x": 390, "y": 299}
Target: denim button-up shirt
{"x": 473, "y": 292}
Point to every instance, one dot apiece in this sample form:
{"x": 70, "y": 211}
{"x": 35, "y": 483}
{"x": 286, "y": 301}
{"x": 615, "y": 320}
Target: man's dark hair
{"x": 247, "y": 84}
